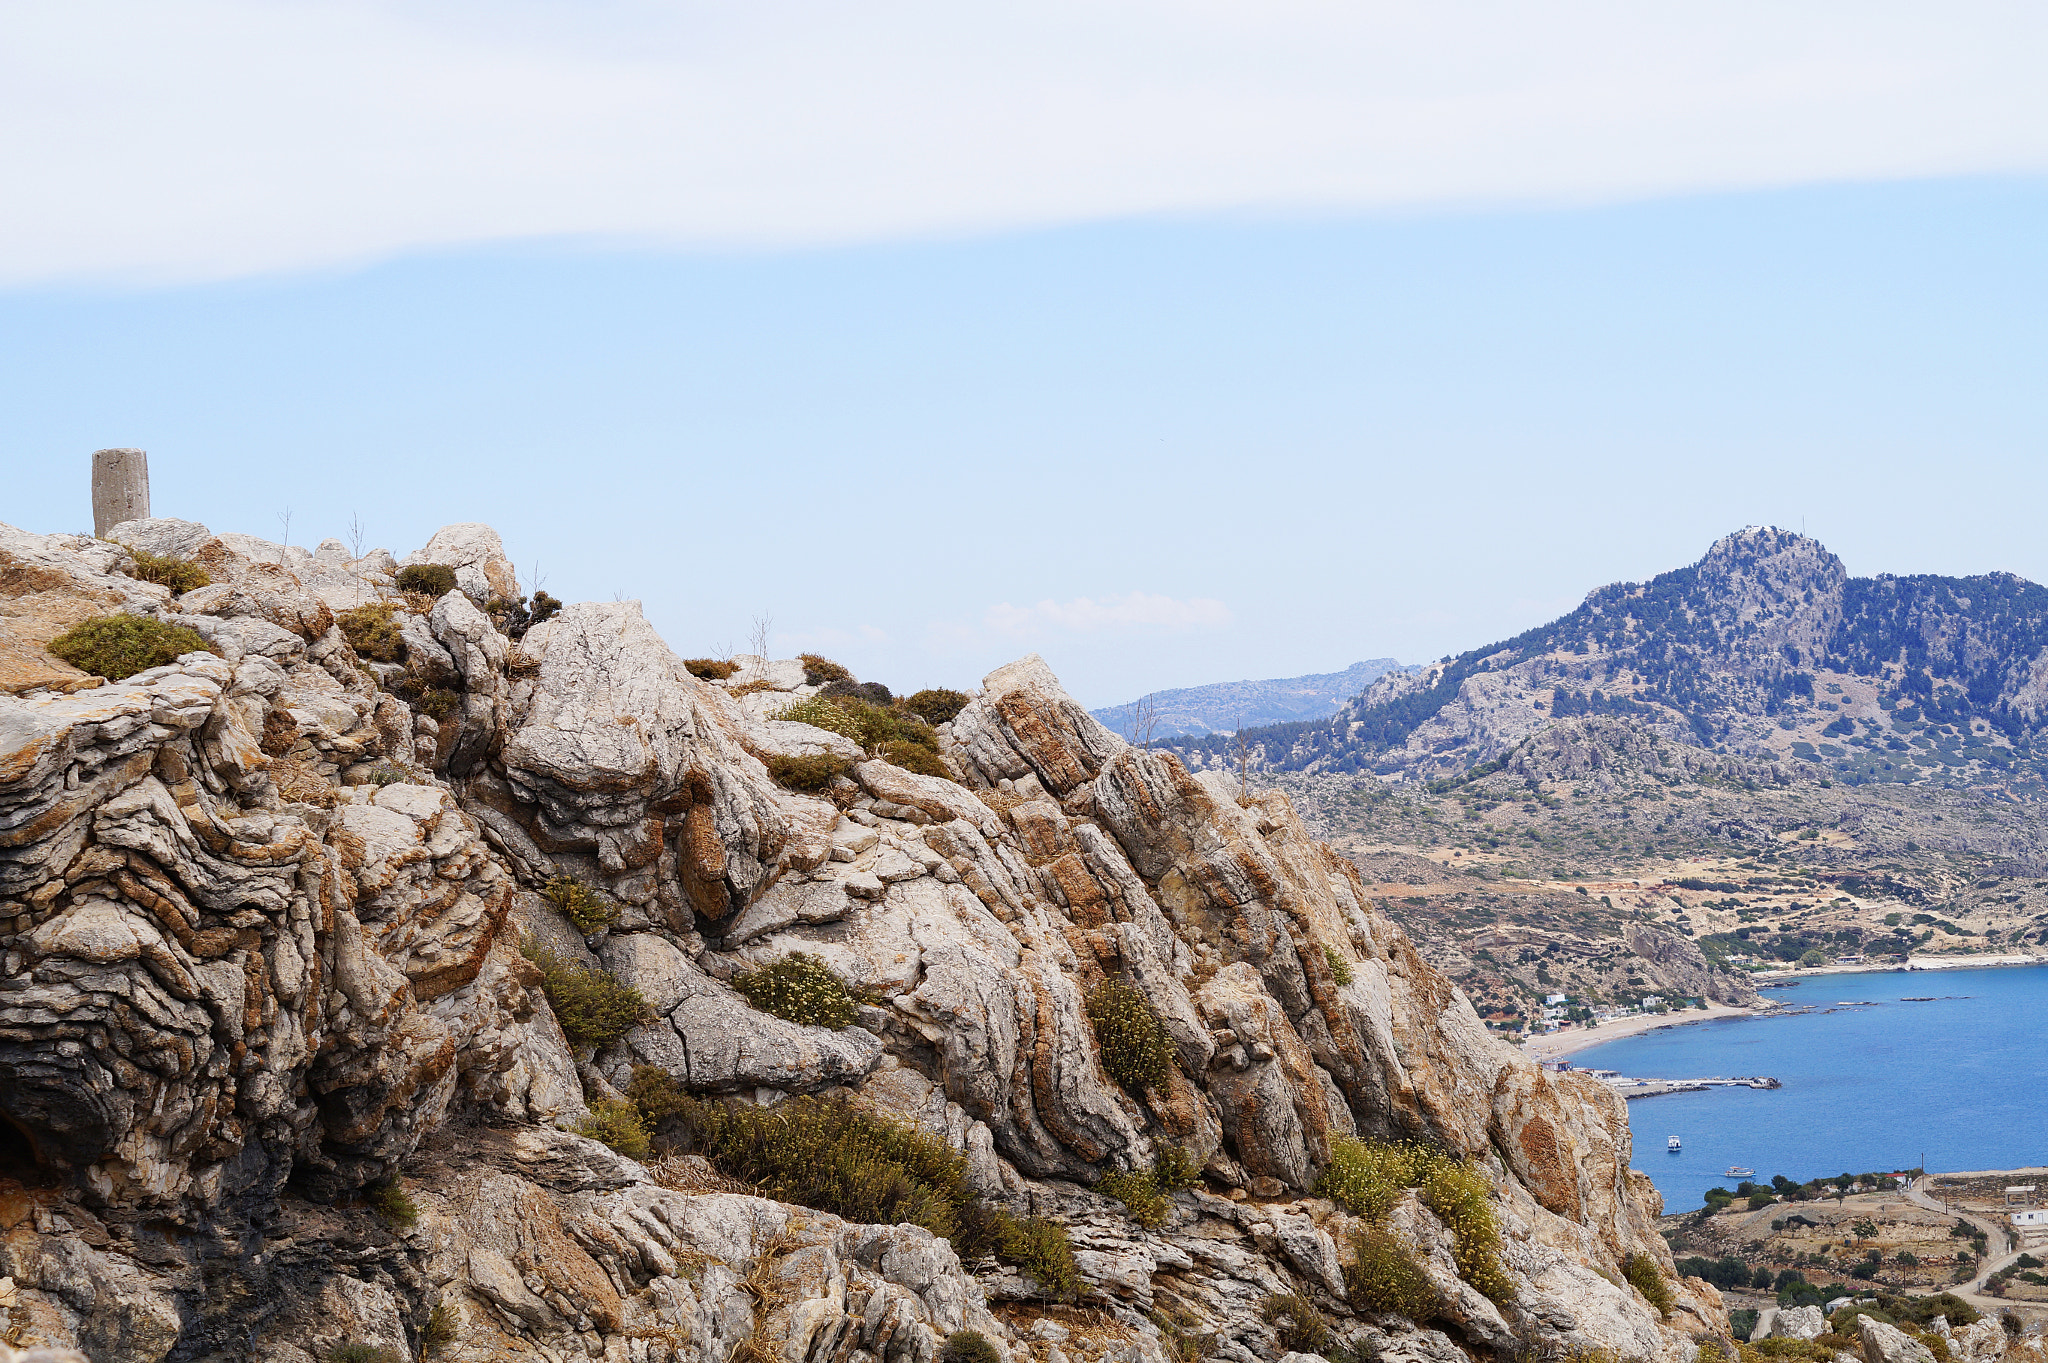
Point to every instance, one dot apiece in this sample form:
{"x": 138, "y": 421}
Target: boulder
{"x": 474, "y": 551}
{"x": 1799, "y": 1322}
{"x": 941, "y": 799}
{"x": 1887, "y": 1343}
{"x": 614, "y": 750}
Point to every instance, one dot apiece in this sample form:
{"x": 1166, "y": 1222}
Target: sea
{"x": 1871, "y": 1081}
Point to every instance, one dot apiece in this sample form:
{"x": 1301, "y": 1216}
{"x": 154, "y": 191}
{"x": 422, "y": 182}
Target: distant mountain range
{"x": 1220, "y": 709}
{"x": 1765, "y": 649}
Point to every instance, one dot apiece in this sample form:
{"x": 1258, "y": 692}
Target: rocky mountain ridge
{"x": 1765, "y": 650}
{"x": 284, "y": 1072}
{"x": 1228, "y": 706}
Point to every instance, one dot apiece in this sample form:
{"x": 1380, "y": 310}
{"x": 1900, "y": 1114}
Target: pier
{"x": 1650, "y": 1088}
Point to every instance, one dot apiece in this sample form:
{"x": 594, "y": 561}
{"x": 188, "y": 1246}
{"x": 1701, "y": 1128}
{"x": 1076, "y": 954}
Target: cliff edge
{"x": 281, "y": 1074}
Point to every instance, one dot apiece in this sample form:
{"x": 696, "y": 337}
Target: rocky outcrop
{"x": 262, "y": 910}
{"x": 1889, "y": 1344}
{"x": 1683, "y": 969}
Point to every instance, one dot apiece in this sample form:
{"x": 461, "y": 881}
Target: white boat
{"x": 1737, "y": 1171}
{"x": 1671, "y": 1143}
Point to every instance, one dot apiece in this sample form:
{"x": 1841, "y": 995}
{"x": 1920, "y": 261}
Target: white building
{"x": 1553, "y": 998}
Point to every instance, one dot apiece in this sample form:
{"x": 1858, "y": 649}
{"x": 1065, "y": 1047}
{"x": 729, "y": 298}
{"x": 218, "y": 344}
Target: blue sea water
{"x": 1962, "y": 1081}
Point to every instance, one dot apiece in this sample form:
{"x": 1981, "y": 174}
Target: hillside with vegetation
{"x": 1228, "y": 706}
{"x": 1603, "y": 860}
{"x": 1764, "y": 650}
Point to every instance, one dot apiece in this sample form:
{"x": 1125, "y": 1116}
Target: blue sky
{"x": 1215, "y": 429}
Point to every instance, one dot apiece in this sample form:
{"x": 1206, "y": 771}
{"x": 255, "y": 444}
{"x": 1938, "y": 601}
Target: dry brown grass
{"x": 1001, "y": 801}
{"x": 770, "y": 1289}
{"x": 301, "y": 784}
{"x": 694, "y": 1174}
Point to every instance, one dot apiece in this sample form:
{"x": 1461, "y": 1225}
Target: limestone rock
{"x": 1799, "y": 1322}
{"x": 613, "y": 750}
{"x": 243, "y": 982}
{"x": 48, "y": 583}
{"x": 1888, "y": 1344}
{"x": 474, "y": 551}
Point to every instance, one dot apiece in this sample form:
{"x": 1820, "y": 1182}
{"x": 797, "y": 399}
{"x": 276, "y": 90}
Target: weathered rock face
{"x": 259, "y": 917}
{"x": 1888, "y": 1344}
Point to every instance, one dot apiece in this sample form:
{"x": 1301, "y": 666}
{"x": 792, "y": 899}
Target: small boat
{"x": 1737, "y": 1171}
{"x": 1671, "y": 1143}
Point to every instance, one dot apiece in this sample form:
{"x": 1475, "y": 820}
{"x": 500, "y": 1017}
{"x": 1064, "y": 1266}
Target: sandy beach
{"x": 1557, "y": 1045}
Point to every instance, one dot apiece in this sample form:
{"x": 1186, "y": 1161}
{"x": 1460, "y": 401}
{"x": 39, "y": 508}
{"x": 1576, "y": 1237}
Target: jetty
{"x": 1650, "y": 1088}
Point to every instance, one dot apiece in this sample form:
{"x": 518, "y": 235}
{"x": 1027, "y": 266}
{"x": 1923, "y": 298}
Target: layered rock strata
{"x": 262, "y": 927}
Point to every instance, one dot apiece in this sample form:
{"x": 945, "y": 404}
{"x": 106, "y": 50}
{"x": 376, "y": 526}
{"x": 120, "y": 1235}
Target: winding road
{"x": 1994, "y": 1234}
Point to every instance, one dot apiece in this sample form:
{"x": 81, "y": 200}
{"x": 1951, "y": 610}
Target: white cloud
{"x": 1087, "y": 615}
{"x": 226, "y": 137}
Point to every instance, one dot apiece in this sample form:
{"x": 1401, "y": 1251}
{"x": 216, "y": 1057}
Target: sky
{"x": 1176, "y": 343}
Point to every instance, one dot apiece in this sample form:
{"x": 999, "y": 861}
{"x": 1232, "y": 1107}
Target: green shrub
{"x": 617, "y": 1123}
{"x": 936, "y": 706}
{"x": 118, "y": 646}
{"x": 819, "y": 670}
{"x": 820, "y": 713}
{"x": 1922, "y": 1310}
{"x": 594, "y": 1007}
{"x": 1340, "y": 969}
{"x": 438, "y": 704}
{"x": 1173, "y": 1168}
{"x": 813, "y": 773}
{"x": 352, "y": 1352}
{"x": 388, "y": 1198}
{"x": 181, "y": 575}
{"x": 1463, "y": 1200}
{"x": 870, "y": 725}
{"x": 442, "y": 1330}
{"x": 915, "y": 757}
{"x": 520, "y": 617}
{"x": 710, "y": 669}
{"x": 1139, "y": 1194}
{"x": 800, "y": 988}
{"x": 1136, "y": 1051}
{"x": 434, "y": 579}
{"x": 837, "y": 1158}
{"x": 1386, "y": 1276}
{"x": 580, "y": 904}
{"x": 869, "y": 693}
{"x": 1296, "y": 1320}
{"x": 1041, "y": 1248}
{"x": 372, "y": 631}
{"x": 1641, "y": 1272}
{"x": 1368, "y": 1177}
{"x": 859, "y": 1165}
{"x": 969, "y": 1346}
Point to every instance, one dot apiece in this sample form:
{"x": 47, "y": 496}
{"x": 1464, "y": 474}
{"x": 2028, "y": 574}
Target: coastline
{"x": 1556, "y": 1045}
{"x": 1914, "y": 964}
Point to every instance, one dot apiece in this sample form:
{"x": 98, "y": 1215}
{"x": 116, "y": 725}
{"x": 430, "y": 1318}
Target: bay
{"x": 1962, "y": 1080}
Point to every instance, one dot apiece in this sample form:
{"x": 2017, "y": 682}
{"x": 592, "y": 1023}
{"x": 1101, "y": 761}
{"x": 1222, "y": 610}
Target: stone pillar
{"x": 120, "y": 488}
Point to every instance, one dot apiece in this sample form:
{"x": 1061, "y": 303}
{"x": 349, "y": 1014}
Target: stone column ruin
{"x": 120, "y": 488}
